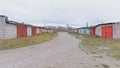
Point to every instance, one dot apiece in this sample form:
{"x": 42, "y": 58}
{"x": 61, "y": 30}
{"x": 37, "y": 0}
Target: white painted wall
{"x": 98, "y": 31}
{"x": 116, "y": 31}
{"x": 38, "y": 30}
{"x": 29, "y": 31}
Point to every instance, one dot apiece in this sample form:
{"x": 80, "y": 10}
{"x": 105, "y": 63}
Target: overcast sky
{"x": 61, "y": 12}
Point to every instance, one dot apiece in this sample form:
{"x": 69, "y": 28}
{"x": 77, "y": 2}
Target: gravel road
{"x": 64, "y": 51}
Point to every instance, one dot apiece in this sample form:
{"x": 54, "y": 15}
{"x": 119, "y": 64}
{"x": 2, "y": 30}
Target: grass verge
{"x": 26, "y": 41}
{"x": 92, "y": 42}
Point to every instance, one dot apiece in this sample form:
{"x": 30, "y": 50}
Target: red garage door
{"x": 107, "y": 32}
{"x": 33, "y": 31}
{"x": 21, "y": 31}
{"x": 92, "y": 31}
{"x": 24, "y": 31}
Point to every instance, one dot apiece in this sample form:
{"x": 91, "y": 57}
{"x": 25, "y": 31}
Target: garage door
{"x": 21, "y": 31}
{"x": 107, "y": 32}
{"x": 34, "y": 31}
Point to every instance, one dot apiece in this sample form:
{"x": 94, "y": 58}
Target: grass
{"x": 26, "y": 41}
{"x": 92, "y": 42}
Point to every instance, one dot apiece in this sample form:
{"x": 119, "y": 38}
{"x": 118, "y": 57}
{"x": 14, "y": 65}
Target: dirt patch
{"x": 61, "y": 52}
{"x": 105, "y": 66}
{"x": 105, "y": 48}
{"x": 98, "y": 56}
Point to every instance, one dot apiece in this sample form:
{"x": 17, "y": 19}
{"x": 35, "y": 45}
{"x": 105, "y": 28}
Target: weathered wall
{"x": 98, "y": 31}
{"x": 116, "y": 31}
{"x": 76, "y": 30}
{"x": 2, "y": 25}
{"x": 44, "y": 31}
{"x": 79, "y": 31}
{"x": 29, "y": 31}
{"x": 10, "y": 31}
{"x": 38, "y": 31}
{"x": 41, "y": 30}
{"x": 50, "y": 31}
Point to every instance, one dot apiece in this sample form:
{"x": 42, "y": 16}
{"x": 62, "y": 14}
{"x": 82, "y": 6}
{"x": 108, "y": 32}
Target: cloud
{"x": 61, "y": 12}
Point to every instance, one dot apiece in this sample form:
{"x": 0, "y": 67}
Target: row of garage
{"x": 24, "y": 30}
{"x": 106, "y": 30}
{"x": 12, "y": 29}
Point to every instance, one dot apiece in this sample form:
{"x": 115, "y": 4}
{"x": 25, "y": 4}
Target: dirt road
{"x": 64, "y": 51}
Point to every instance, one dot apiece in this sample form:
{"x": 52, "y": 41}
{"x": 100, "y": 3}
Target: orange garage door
{"x": 107, "y": 32}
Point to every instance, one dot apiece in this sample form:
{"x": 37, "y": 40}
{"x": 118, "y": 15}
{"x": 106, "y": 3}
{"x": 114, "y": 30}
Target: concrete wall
{"x": 2, "y": 31}
{"x": 38, "y": 31}
{"x": 50, "y": 31}
{"x": 29, "y": 31}
{"x": 79, "y": 31}
{"x": 98, "y": 31}
{"x": 10, "y": 31}
{"x": 116, "y": 31}
{"x": 41, "y": 30}
{"x": 7, "y": 31}
{"x": 44, "y": 31}
{"x": 2, "y": 27}
{"x": 75, "y": 30}
{"x": 2, "y": 20}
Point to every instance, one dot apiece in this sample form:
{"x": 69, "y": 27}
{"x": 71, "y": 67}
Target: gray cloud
{"x": 61, "y": 12}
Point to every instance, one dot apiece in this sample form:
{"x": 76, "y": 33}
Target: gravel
{"x": 61, "y": 52}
